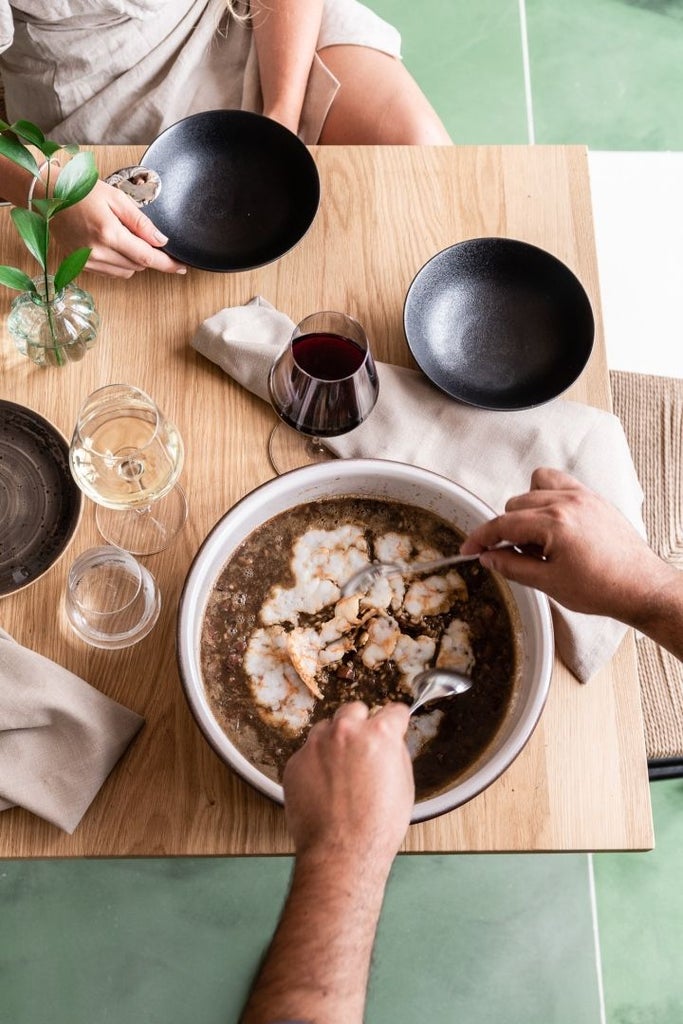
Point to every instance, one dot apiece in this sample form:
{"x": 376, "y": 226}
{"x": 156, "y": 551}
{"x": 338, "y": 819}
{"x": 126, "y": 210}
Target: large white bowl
{"x": 373, "y": 479}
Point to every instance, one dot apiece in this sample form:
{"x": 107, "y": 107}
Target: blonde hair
{"x": 239, "y": 9}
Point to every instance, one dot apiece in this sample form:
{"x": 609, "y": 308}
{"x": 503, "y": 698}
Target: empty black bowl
{"x": 238, "y": 190}
{"x": 498, "y": 323}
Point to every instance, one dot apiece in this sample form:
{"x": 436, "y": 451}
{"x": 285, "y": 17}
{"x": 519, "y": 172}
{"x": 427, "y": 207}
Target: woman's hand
{"x": 123, "y": 240}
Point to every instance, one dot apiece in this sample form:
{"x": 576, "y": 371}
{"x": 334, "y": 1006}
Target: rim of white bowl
{"x": 197, "y": 586}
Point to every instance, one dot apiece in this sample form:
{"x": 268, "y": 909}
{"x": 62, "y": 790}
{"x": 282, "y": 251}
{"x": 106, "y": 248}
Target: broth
{"x": 276, "y": 603}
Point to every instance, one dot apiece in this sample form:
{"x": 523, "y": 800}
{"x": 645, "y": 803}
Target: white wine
{"x": 128, "y": 459}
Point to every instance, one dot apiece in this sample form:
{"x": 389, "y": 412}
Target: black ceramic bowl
{"x": 238, "y": 190}
{"x": 498, "y": 323}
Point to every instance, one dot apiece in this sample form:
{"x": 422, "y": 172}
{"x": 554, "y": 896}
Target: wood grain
{"x": 581, "y": 782}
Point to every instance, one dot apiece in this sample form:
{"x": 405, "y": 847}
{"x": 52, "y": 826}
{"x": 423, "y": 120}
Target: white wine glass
{"x": 324, "y": 383}
{"x": 127, "y": 457}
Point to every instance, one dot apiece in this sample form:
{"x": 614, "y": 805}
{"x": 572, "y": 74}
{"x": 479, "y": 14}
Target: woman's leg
{"x": 378, "y": 103}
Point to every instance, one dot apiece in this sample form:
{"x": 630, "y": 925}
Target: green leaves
{"x": 71, "y": 267}
{"x": 75, "y": 178}
{"x": 75, "y": 181}
{"x": 13, "y": 278}
{"x": 15, "y": 152}
{"x": 32, "y": 229}
{"x": 30, "y": 133}
{"x": 47, "y": 208}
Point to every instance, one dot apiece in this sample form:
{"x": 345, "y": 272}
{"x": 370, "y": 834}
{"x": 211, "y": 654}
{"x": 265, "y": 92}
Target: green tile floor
{"x": 167, "y": 942}
{"x": 640, "y": 916}
{"x": 487, "y": 939}
{"x": 606, "y": 73}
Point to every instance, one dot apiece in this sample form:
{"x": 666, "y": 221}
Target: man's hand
{"x": 595, "y": 561}
{"x": 123, "y": 240}
{"x": 350, "y": 789}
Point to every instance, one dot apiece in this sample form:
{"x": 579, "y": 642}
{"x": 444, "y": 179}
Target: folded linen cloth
{"x": 59, "y": 737}
{"x": 492, "y": 454}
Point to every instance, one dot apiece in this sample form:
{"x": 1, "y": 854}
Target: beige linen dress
{"x": 120, "y": 71}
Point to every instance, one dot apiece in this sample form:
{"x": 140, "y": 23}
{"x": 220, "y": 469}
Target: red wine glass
{"x": 324, "y": 383}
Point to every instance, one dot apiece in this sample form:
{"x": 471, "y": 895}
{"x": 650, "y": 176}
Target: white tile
{"x": 638, "y": 213}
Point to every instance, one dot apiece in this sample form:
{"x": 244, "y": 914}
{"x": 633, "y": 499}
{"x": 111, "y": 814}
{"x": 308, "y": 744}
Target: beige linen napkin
{"x": 492, "y": 454}
{"x": 59, "y": 737}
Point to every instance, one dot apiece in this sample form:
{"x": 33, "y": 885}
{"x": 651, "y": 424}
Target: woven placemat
{"x": 651, "y": 411}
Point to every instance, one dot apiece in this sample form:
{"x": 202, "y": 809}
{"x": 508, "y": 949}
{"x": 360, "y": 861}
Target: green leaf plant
{"x": 76, "y": 179}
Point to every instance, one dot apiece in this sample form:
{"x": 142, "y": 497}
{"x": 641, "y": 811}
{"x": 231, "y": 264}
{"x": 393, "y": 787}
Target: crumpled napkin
{"x": 492, "y": 454}
{"x": 59, "y": 737}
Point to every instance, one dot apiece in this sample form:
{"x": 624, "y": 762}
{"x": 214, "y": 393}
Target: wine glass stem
{"x": 316, "y": 446}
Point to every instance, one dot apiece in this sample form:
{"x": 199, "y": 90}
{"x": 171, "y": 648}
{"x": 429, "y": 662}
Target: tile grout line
{"x": 527, "y": 73}
{"x": 596, "y": 938}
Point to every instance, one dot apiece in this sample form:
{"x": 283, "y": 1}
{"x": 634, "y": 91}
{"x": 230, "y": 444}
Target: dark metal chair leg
{"x": 665, "y": 768}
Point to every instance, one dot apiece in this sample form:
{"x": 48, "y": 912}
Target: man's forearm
{"x": 661, "y": 614}
{"x": 318, "y": 963}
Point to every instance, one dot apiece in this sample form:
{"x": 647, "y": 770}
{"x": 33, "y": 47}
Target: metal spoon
{"x": 436, "y": 683}
{"x": 364, "y": 578}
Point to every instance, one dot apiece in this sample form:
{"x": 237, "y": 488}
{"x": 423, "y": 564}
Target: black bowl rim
{"x": 521, "y": 245}
{"x": 274, "y": 127}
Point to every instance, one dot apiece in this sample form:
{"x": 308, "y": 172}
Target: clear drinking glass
{"x": 324, "y": 383}
{"x": 111, "y": 600}
{"x": 127, "y": 457}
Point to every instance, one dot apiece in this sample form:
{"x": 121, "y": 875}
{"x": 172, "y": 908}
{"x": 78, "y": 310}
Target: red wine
{"x": 323, "y": 384}
{"x": 323, "y": 422}
{"x": 327, "y": 356}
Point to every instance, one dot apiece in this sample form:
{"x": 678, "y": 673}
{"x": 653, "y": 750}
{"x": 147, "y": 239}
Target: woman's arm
{"x": 286, "y": 34}
{"x": 15, "y": 182}
{"x": 123, "y": 240}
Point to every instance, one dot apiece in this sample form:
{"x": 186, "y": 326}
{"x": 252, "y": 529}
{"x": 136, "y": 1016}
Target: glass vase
{"x": 53, "y": 329}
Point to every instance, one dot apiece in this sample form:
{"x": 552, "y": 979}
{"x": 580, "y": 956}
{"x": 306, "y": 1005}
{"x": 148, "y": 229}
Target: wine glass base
{"x": 289, "y": 450}
{"x": 147, "y": 530}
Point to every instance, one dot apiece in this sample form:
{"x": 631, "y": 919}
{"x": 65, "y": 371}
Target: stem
{"x": 58, "y": 353}
{"x": 47, "y": 234}
{"x": 48, "y": 301}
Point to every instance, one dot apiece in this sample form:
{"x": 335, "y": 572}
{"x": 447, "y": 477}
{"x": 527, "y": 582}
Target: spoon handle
{"x": 419, "y": 701}
{"x": 440, "y": 563}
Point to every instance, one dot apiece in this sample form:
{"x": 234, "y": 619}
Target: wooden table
{"x": 581, "y": 782}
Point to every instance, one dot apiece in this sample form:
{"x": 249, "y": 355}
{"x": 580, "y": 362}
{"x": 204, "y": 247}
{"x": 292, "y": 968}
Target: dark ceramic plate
{"x": 40, "y": 503}
{"x": 237, "y": 189}
{"x": 498, "y": 323}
